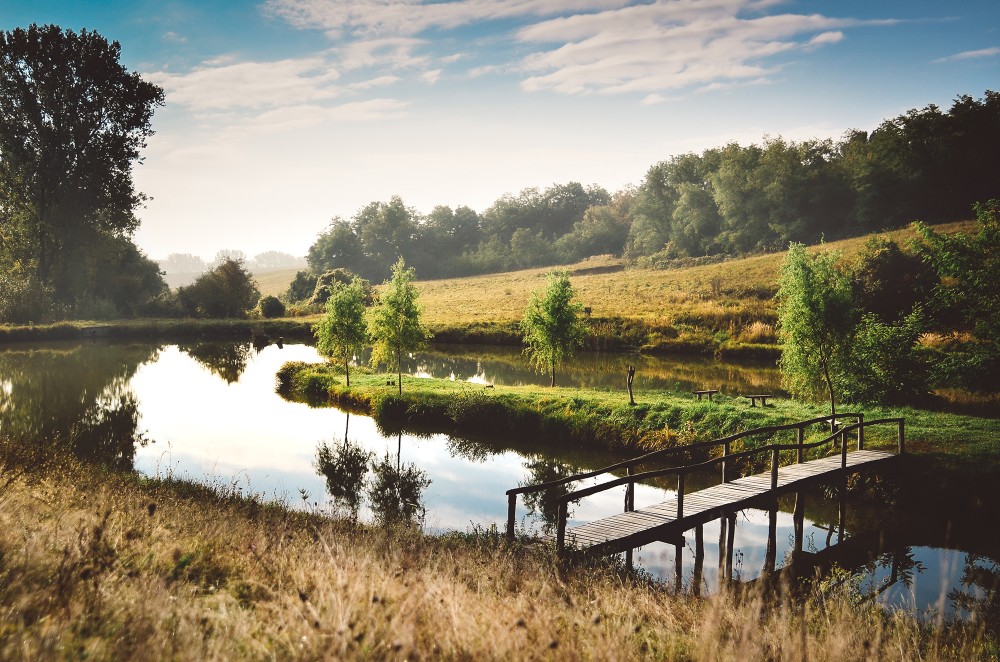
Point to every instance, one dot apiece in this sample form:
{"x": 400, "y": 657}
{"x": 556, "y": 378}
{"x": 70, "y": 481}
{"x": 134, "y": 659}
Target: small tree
{"x": 394, "y": 322}
{"x": 341, "y": 331}
{"x": 552, "y": 326}
{"x": 816, "y": 318}
{"x": 228, "y": 290}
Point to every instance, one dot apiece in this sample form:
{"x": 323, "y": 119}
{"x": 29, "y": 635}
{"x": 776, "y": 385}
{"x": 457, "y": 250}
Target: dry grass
{"x": 737, "y": 291}
{"x": 105, "y": 567}
{"x": 275, "y": 282}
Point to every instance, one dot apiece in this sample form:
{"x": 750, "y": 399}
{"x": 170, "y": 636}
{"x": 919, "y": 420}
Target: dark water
{"x": 209, "y": 412}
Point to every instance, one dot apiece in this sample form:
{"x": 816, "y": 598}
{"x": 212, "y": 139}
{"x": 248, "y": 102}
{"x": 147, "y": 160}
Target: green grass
{"x": 603, "y": 418}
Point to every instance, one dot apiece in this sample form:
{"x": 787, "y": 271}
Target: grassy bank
{"x": 243, "y": 329}
{"x": 605, "y": 419}
{"x": 109, "y": 566}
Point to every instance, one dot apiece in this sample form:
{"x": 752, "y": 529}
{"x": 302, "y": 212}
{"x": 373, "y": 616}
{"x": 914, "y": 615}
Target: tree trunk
{"x": 833, "y": 404}
{"x": 347, "y": 371}
{"x": 553, "y": 375}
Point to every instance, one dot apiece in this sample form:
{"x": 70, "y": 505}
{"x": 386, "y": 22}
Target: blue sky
{"x": 282, "y": 114}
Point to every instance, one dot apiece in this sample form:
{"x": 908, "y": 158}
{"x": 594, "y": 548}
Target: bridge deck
{"x": 659, "y": 522}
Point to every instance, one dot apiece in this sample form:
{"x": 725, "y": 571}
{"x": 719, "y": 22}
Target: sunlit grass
{"x": 112, "y": 567}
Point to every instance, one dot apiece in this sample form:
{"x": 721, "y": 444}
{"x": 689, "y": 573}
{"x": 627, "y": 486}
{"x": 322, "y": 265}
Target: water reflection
{"x": 344, "y": 466}
{"x": 225, "y": 360}
{"x": 75, "y": 394}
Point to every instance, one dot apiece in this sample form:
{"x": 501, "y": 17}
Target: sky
{"x": 281, "y": 115}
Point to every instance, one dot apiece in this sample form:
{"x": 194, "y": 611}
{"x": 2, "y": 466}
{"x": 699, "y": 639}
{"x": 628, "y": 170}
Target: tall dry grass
{"x": 103, "y": 566}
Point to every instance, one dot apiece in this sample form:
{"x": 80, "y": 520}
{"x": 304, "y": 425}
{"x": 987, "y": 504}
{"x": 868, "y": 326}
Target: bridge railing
{"x": 774, "y": 449}
{"x": 630, "y": 464}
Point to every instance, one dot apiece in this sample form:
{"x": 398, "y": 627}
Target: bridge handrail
{"x": 624, "y": 464}
{"x": 683, "y": 470}
{"x": 628, "y": 464}
{"x": 690, "y": 468}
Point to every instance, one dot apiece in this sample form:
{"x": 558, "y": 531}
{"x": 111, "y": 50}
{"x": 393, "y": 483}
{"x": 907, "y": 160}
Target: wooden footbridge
{"x": 667, "y": 521}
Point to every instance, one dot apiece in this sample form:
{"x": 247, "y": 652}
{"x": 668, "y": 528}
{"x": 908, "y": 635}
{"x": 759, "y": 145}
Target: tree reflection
{"x": 979, "y": 595}
{"x": 345, "y": 467}
{"x": 544, "y": 504}
{"x": 225, "y": 360}
{"x": 75, "y": 394}
{"x": 109, "y": 432}
{"x": 396, "y": 492}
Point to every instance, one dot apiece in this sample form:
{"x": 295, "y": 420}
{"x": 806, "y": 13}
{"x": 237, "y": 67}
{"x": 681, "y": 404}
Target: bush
{"x": 24, "y": 299}
{"x": 229, "y": 290}
{"x": 271, "y": 306}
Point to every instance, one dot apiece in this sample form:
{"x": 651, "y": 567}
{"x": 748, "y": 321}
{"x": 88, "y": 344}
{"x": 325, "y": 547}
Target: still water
{"x": 208, "y": 412}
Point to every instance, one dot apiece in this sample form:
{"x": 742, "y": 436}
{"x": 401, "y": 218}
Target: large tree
{"x": 394, "y": 322}
{"x": 552, "y": 326}
{"x": 72, "y": 123}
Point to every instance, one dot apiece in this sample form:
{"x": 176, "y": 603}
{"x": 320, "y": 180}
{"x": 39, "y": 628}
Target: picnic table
{"x": 709, "y": 392}
{"x": 762, "y": 397}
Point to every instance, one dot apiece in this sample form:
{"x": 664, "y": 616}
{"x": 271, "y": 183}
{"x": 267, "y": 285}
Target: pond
{"x": 208, "y": 412}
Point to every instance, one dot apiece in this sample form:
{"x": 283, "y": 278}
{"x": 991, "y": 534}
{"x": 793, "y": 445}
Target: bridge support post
{"x": 799, "y": 439}
{"x": 798, "y": 517}
{"x": 774, "y": 468}
{"x": 730, "y": 539}
{"x": 861, "y": 432}
{"x": 699, "y": 560}
{"x": 678, "y": 567}
{"x": 511, "y": 508}
{"x": 771, "y": 552}
{"x": 725, "y": 462}
{"x": 680, "y": 496}
{"x": 901, "y": 437}
{"x": 842, "y": 514}
{"x": 561, "y": 527}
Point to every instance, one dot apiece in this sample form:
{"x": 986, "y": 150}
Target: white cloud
{"x": 391, "y": 53}
{"x": 431, "y": 77}
{"x": 969, "y": 55}
{"x": 224, "y": 85}
{"x": 408, "y": 17}
{"x": 669, "y": 46}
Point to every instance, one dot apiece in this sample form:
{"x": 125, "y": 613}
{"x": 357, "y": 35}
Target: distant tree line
{"x": 186, "y": 263}
{"x": 925, "y": 164}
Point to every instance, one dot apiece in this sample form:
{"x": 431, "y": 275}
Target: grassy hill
{"x": 733, "y": 297}
{"x": 275, "y": 282}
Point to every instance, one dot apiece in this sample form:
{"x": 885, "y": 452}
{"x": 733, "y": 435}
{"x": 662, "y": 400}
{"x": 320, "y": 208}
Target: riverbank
{"x": 109, "y": 565}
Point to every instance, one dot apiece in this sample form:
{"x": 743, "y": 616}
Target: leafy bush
{"x": 271, "y": 306}
{"x": 229, "y": 290}
{"x": 24, "y": 299}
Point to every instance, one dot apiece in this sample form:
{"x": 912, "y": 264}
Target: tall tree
{"x": 228, "y": 290}
{"x": 341, "y": 332}
{"x": 816, "y": 317}
{"x": 552, "y": 327}
{"x": 394, "y": 322}
{"x": 72, "y": 123}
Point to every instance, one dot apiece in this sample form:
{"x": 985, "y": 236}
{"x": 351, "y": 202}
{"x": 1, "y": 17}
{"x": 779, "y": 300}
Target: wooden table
{"x": 709, "y": 392}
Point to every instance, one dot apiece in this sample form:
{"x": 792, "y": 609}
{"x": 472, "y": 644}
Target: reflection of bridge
{"x": 667, "y": 521}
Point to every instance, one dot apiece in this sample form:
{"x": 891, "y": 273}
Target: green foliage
{"x": 967, "y": 296}
{"x": 302, "y": 287}
{"x": 229, "y": 290}
{"x": 816, "y": 317}
{"x": 24, "y": 299}
{"x": 271, "y": 306}
{"x": 341, "y": 332}
{"x": 552, "y": 326}
{"x": 890, "y": 282}
{"x": 72, "y": 123}
{"x": 884, "y": 367}
{"x": 394, "y": 324}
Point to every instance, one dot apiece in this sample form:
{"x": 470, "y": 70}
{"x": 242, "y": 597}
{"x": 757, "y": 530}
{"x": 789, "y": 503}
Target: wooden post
{"x": 842, "y": 514}
{"x": 901, "y": 437}
{"x": 861, "y": 432}
{"x": 678, "y": 567}
{"x": 774, "y": 468}
{"x": 699, "y": 559}
{"x": 511, "y": 507}
{"x": 680, "y": 496}
{"x": 630, "y": 493}
{"x": 722, "y": 547}
{"x": 843, "y": 450}
{"x": 631, "y": 376}
{"x": 725, "y": 462}
{"x": 799, "y": 438}
{"x": 798, "y": 520}
{"x": 771, "y": 552}
{"x": 561, "y": 527}
{"x": 730, "y": 540}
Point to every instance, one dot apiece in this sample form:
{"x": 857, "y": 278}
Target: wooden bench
{"x": 709, "y": 392}
{"x": 755, "y": 398}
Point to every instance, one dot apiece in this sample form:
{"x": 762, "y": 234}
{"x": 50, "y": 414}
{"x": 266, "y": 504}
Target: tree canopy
{"x": 341, "y": 332}
{"x": 552, "y": 327}
{"x": 73, "y": 121}
{"x": 228, "y": 290}
{"x": 394, "y": 324}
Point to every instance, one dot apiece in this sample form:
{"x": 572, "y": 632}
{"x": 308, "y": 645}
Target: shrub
{"x": 271, "y": 306}
{"x": 24, "y": 299}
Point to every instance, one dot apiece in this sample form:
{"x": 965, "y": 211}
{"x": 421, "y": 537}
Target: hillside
{"x": 734, "y": 292}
